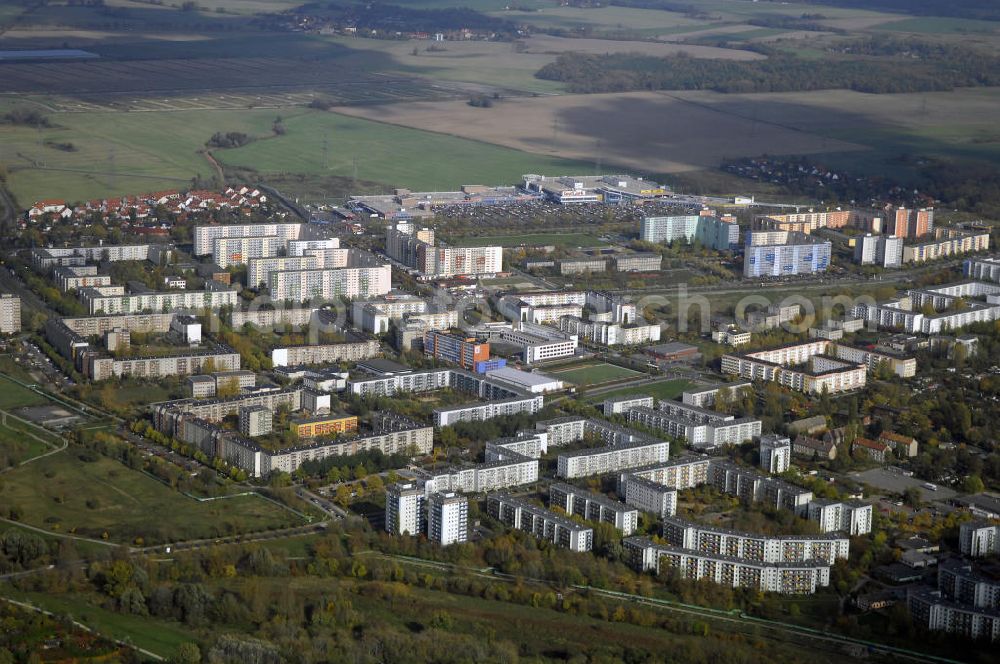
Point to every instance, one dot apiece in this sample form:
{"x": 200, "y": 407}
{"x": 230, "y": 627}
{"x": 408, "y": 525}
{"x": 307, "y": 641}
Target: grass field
{"x": 594, "y": 374}
{"x": 89, "y": 495}
{"x": 17, "y": 448}
{"x": 20, "y": 442}
{"x": 529, "y": 240}
{"x": 13, "y": 395}
{"x": 116, "y": 153}
{"x": 158, "y": 636}
{"x": 664, "y": 389}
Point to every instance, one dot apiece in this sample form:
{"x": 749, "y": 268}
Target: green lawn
{"x": 158, "y": 636}
{"x": 13, "y": 395}
{"x": 79, "y": 492}
{"x": 666, "y": 389}
{"x": 594, "y": 374}
{"x": 20, "y": 442}
{"x": 117, "y": 152}
{"x": 540, "y": 239}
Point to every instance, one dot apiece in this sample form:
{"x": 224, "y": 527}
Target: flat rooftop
{"x": 521, "y": 377}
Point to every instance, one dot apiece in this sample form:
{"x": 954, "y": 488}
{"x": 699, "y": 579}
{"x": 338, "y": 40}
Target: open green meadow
{"x": 20, "y": 442}
{"x": 664, "y": 389}
{"x": 13, "y": 395}
{"x": 116, "y": 153}
{"x": 80, "y": 492}
{"x": 594, "y": 374}
{"x": 17, "y": 448}
{"x": 157, "y": 636}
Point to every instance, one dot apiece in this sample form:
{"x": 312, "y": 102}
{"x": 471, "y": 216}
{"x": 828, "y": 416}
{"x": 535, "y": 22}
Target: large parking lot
{"x": 888, "y": 480}
{"x": 537, "y": 216}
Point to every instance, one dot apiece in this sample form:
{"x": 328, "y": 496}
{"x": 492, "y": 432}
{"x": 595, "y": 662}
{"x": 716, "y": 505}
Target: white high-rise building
{"x": 10, "y": 314}
{"x": 775, "y": 453}
{"x": 404, "y": 509}
{"x": 447, "y": 518}
{"x": 852, "y": 517}
{"x": 228, "y": 251}
{"x": 305, "y": 247}
{"x": 204, "y": 236}
{"x": 367, "y": 278}
{"x": 979, "y": 538}
{"x": 864, "y": 249}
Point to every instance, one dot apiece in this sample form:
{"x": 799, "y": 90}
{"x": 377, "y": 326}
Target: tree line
{"x": 862, "y": 66}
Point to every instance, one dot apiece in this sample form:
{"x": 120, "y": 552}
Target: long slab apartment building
{"x": 981, "y": 302}
{"x": 47, "y": 258}
{"x": 540, "y": 522}
{"x": 778, "y": 577}
{"x": 698, "y": 426}
{"x": 195, "y": 422}
{"x": 754, "y": 546}
{"x": 654, "y": 489}
{"x": 805, "y": 367}
{"x": 719, "y": 233}
{"x": 508, "y": 463}
{"x": 206, "y": 235}
{"x": 966, "y": 603}
{"x": 114, "y": 299}
{"x": 594, "y": 507}
{"x": 362, "y": 276}
{"x": 784, "y": 253}
{"x": 416, "y": 248}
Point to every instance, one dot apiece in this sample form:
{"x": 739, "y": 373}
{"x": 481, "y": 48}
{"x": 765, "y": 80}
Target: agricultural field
{"x": 664, "y": 389}
{"x": 529, "y": 240}
{"x": 105, "y": 153}
{"x": 706, "y": 128}
{"x": 119, "y": 502}
{"x": 593, "y": 374}
{"x": 649, "y": 132}
{"x": 397, "y": 156}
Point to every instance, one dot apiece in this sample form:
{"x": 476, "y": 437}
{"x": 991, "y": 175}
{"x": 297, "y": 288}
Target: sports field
{"x": 593, "y": 374}
{"x": 664, "y": 389}
{"x": 80, "y": 492}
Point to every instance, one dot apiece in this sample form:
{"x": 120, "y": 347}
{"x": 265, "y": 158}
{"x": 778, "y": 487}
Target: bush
{"x": 232, "y": 139}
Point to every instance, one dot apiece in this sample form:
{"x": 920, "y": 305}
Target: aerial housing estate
{"x": 295, "y": 261}
{"x": 935, "y": 309}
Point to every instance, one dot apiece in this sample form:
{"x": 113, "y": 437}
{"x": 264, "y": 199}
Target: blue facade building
{"x": 784, "y": 254}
